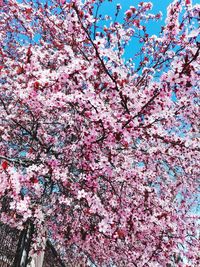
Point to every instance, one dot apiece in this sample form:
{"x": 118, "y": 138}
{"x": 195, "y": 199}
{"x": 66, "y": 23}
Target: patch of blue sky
{"x": 182, "y": 129}
{"x": 153, "y": 27}
{"x": 37, "y": 37}
{"x": 140, "y": 164}
{"x": 23, "y": 154}
{"x": 23, "y": 39}
{"x": 174, "y": 97}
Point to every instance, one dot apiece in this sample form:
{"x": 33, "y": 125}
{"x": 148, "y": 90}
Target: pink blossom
{"x": 98, "y": 151}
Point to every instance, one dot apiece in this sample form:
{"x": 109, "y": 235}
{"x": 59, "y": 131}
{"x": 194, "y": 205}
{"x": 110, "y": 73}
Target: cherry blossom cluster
{"x": 98, "y": 151}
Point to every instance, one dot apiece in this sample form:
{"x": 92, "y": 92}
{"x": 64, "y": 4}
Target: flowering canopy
{"x": 104, "y": 153}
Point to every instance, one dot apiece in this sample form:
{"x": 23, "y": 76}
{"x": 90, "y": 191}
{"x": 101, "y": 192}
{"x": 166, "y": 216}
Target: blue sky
{"x": 158, "y": 5}
{"x": 153, "y": 27}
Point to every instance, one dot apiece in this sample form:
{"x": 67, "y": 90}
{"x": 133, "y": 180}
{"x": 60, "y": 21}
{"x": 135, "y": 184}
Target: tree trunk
{"x": 23, "y": 248}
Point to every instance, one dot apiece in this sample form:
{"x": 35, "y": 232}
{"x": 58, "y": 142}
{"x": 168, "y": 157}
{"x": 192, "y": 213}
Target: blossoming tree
{"x": 100, "y": 151}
